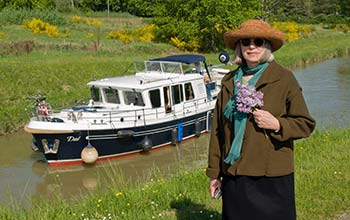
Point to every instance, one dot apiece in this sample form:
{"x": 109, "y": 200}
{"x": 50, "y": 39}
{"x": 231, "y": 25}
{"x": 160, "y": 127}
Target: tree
{"x": 344, "y": 8}
{"x": 27, "y": 4}
{"x": 201, "y": 24}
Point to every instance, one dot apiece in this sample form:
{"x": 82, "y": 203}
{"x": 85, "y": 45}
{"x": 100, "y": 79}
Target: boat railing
{"x": 137, "y": 117}
{"x": 143, "y": 116}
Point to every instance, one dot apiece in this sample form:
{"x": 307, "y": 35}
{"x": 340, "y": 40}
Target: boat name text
{"x": 73, "y": 139}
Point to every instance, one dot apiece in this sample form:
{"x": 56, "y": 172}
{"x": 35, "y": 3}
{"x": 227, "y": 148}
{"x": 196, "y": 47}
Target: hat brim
{"x": 275, "y": 37}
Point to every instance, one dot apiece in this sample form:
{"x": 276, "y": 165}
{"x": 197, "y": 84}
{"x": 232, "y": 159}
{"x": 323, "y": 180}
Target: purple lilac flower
{"x": 248, "y": 98}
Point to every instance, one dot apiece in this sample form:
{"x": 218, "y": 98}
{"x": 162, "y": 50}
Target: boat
{"x": 167, "y": 100}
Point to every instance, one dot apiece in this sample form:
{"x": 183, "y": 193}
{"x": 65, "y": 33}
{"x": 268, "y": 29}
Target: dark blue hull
{"x": 62, "y": 149}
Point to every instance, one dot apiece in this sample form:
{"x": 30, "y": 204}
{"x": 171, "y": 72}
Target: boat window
{"x": 177, "y": 94}
{"x": 167, "y": 103}
{"x": 200, "y": 89}
{"x": 112, "y": 95}
{"x": 95, "y": 94}
{"x": 172, "y": 68}
{"x": 153, "y": 66}
{"x": 155, "y": 98}
{"x": 132, "y": 97}
{"x": 139, "y": 66}
{"x": 189, "y": 91}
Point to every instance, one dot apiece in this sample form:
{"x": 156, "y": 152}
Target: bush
{"x": 342, "y": 27}
{"x": 88, "y": 21}
{"x": 3, "y": 35}
{"x": 40, "y": 27}
{"x": 142, "y": 34}
{"x": 293, "y": 30}
{"x": 200, "y": 24}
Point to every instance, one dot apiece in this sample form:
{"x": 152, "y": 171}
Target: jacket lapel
{"x": 270, "y": 75}
{"x": 227, "y": 82}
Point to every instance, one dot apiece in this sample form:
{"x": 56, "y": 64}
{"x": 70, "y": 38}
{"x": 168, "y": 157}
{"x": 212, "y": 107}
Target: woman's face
{"x": 252, "y": 50}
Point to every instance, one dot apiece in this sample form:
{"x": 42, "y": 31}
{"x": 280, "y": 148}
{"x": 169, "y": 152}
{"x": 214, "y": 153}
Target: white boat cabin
{"x": 160, "y": 84}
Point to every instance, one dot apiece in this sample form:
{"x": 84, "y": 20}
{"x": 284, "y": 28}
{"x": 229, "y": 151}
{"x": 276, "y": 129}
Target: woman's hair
{"x": 266, "y": 55}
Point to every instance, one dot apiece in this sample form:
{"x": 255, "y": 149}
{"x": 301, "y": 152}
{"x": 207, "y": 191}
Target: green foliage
{"x": 203, "y": 21}
{"x": 142, "y": 8}
{"x": 27, "y": 4}
{"x": 308, "y": 11}
{"x": 344, "y": 8}
{"x": 64, "y": 5}
{"x": 17, "y": 16}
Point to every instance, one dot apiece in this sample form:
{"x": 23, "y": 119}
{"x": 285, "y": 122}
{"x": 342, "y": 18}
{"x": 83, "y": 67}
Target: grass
{"x": 322, "y": 190}
{"x": 324, "y": 44}
{"x": 323, "y": 177}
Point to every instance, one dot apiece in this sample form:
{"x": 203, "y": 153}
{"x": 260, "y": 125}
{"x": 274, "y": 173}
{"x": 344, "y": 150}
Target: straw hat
{"x": 255, "y": 28}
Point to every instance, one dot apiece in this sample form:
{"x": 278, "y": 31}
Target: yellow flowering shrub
{"x": 88, "y": 21}
{"x": 306, "y": 30}
{"x": 40, "y": 27}
{"x": 178, "y": 43}
{"x": 90, "y": 35}
{"x": 220, "y": 28}
{"x": 292, "y": 36}
{"x": 94, "y": 22}
{"x": 143, "y": 34}
{"x": 121, "y": 35}
{"x": 192, "y": 45}
{"x": 76, "y": 19}
{"x": 293, "y": 30}
{"x": 342, "y": 28}
{"x": 3, "y": 35}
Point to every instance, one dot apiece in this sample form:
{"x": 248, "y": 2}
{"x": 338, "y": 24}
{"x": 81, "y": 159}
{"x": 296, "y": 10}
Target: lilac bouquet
{"x": 248, "y": 98}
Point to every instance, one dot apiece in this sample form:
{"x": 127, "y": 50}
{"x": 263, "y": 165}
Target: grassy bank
{"x": 322, "y": 191}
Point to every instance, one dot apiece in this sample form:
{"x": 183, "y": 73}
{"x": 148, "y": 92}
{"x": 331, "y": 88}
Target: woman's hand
{"x": 266, "y": 120}
{"x": 214, "y": 184}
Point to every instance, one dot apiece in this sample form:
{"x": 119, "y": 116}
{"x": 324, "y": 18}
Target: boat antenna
{"x": 206, "y": 68}
{"x": 126, "y": 70}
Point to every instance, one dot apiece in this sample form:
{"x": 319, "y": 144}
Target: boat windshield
{"x": 95, "y": 94}
{"x": 111, "y": 95}
{"x": 159, "y": 66}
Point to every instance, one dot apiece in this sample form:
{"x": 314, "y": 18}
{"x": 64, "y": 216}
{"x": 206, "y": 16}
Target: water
{"x": 326, "y": 88}
{"x": 25, "y": 174}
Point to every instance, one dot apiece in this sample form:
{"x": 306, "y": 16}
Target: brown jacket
{"x": 261, "y": 155}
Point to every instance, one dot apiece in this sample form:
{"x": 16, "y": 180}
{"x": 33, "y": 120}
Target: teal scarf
{"x": 240, "y": 118}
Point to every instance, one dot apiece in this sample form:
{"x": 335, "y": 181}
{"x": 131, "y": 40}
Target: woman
{"x": 251, "y": 154}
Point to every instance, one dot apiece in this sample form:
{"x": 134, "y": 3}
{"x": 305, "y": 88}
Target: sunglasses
{"x": 257, "y": 42}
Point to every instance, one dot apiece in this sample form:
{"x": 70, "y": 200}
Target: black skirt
{"x": 258, "y": 198}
